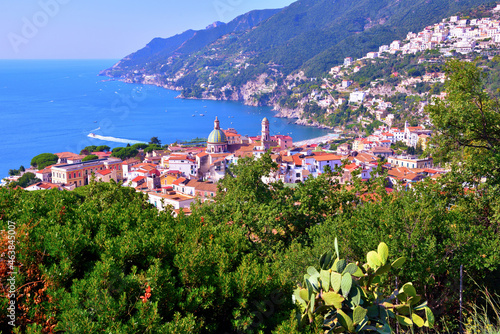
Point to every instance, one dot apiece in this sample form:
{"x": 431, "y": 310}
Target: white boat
{"x": 92, "y": 135}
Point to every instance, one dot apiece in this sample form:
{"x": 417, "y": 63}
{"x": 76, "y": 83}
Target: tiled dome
{"x": 217, "y": 137}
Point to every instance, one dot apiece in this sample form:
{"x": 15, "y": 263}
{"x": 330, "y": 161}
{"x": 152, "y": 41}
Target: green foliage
{"x": 484, "y": 318}
{"x": 102, "y": 148}
{"x": 43, "y": 160}
{"x": 468, "y": 122}
{"x": 154, "y": 141}
{"x": 139, "y": 146}
{"x": 124, "y": 153}
{"x": 353, "y": 298}
{"x": 89, "y": 149}
{"x": 90, "y": 157}
{"x": 436, "y": 226}
{"x": 86, "y": 258}
{"x": 24, "y": 181}
{"x": 152, "y": 147}
{"x": 13, "y": 172}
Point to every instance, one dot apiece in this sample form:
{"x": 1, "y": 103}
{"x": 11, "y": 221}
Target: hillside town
{"x": 176, "y": 177}
{"x": 453, "y": 36}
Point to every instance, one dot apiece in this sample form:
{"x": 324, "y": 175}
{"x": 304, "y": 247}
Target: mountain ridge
{"x": 302, "y": 41}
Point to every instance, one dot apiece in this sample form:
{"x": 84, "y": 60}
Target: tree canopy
{"x": 124, "y": 153}
{"x": 155, "y": 140}
{"x": 103, "y": 259}
{"x": 43, "y": 160}
{"x": 90, "y": 157}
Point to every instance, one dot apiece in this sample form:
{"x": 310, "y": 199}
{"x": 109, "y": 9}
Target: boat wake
{"x": 113, "y": 139}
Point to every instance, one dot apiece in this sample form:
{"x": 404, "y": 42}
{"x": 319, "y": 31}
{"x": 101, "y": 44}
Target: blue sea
{"x": 52, "y": 106}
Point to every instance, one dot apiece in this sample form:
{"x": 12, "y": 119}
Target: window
{"x": 297, "y": 175}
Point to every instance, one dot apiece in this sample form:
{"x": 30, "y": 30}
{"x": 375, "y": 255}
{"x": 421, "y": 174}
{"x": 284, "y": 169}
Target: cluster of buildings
{"x": 384, "y": 137}
{"x": 451, "y": 35}
{"x": 174, "y": 178}
{"x": 454, "y": 33}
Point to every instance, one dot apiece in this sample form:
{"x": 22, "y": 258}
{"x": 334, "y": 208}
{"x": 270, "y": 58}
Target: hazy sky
{"x": 106, "y": 29}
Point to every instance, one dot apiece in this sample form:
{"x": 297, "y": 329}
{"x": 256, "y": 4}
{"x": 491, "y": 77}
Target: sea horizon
{"x": 51, "y": 105}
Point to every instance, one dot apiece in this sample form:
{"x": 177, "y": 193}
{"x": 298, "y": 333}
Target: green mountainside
{"x": 278, "y": 57}
{"x": 313, "y": 34}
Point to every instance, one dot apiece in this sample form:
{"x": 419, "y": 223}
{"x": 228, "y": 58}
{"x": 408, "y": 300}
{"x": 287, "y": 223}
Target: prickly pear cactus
{"x": 349, "y": 298}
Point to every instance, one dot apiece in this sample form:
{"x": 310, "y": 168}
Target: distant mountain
{"x": 190, "y": 41}
{"x": 317, "y": 34}
{"x": 308, "y": 35}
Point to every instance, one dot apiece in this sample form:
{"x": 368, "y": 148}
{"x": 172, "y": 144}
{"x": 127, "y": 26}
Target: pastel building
{"x": 80, "y": 173}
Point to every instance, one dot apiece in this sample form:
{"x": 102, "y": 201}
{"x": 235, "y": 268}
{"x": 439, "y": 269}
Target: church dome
{"x": 217, "y": 137}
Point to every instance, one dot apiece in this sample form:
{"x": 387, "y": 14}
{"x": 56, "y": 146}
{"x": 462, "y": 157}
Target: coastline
{"x": 318, "y": 140}
{"x": 280, "y": 112}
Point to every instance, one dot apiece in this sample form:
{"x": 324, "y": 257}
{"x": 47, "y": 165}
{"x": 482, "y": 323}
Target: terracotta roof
{"x": 76, "y": 157}
{"x": 363, "y": 157}
{"x": 146, "y": 166}
{"x": 327, "y": 157}
{"x": 130, "y": 161}
{"x": 65, "y": 155}
{"x": 351, "y": 167}
{"x": 283, "y": 137}
{"x": 104, "y": 172}
{"x": 230, "y": 134}
{"x": 431, "y": 171}
{"x": 186, "y": 211}
{"x": 202, "y": 154}
{"x": 102, "y": 154}
{"x": 382, "y": 149}
{"x": 179, "y": 181}
{"x": 138, "y": 178}
{"x": 403, "y": 174}
{"x": 178, "y": 157}
{"x": 46, "y": 170}
{"x": 296, "y": 160}
{"x": 205, "y": 186}
{"x": 142, "y": 187}
{"x": 174, "y": 197}
{"x": 44, "y": 185}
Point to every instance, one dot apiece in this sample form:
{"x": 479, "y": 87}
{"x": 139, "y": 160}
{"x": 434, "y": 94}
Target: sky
{"x": 106, "y": 29}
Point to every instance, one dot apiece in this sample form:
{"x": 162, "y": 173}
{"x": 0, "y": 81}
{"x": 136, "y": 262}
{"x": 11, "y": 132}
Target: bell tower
{"x": 264, "y": 137}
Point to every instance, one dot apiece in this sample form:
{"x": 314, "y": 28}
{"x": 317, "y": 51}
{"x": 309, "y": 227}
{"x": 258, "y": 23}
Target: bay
{"x": 52, "y": 106}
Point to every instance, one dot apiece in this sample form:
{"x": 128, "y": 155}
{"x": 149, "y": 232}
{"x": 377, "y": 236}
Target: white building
{"x": 347, "y": 61}
{"x": 357, "y": 97}
{"x": 331, "y": 160}
{"x": 184, "y": 164}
